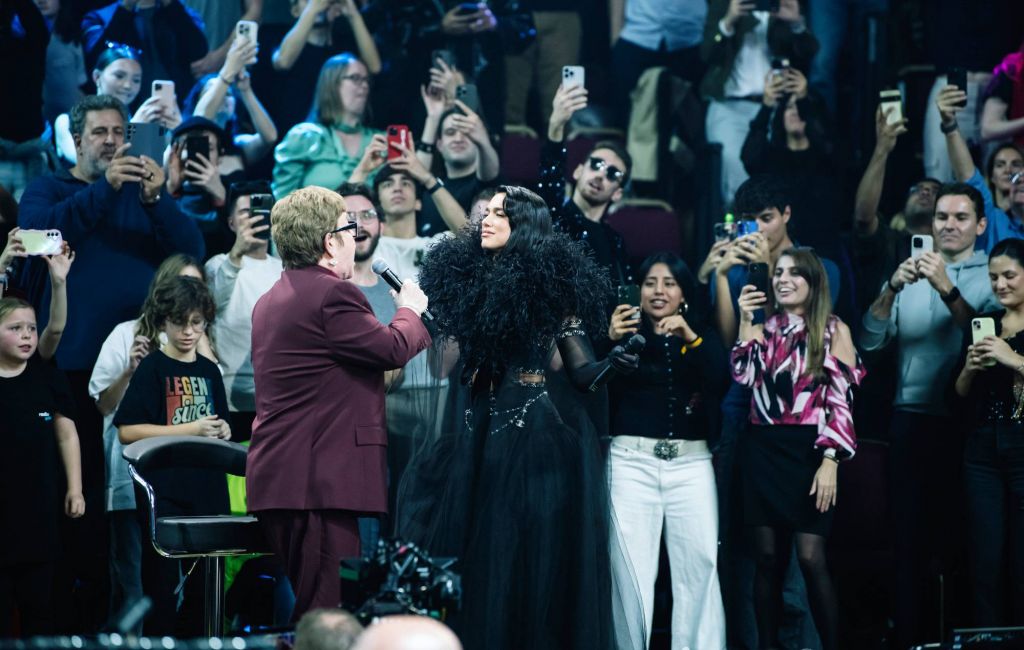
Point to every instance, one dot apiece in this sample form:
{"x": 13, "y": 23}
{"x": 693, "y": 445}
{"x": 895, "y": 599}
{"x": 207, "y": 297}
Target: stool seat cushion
{"x": 214, "y": 534}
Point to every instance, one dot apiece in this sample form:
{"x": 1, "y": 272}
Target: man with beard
{"x": 879, "y": 246}
{"x": 924, "y": 457}
{"x": 598, "y": 183}
{"x": 237, "y": 280}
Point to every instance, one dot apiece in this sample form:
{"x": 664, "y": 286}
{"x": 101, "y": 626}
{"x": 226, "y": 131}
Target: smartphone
{"x": 891, "y": 100}
{"x": 980, "y": 328}
{"x": 628, "y": 294}
{"x": 921, "y": 244}
{"x": 398, "y": 134}
{"x": 779, "y": 66}
{"x": 248, "y": 29}
{"x": 958, "y": 77}
{"x": 746, "y": 227}
{"x": 164, "y": 90}
{"x": 41, "y": 242}
{"x": 260, "y": 206}
{"x": 146, "y": 139}
{"x": 767, "y": 5}
{"x": 572, "y": 76}
{"x": 757, "y": 275}
{"x": 195, "y": 145}
{"x": 470, "y": 96}
{"x": 468, "y": 8}
{"x": 444, "y": 55}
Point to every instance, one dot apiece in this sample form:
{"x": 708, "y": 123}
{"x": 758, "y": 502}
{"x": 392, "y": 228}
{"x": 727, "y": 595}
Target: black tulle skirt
{"x": 517, "y": 493}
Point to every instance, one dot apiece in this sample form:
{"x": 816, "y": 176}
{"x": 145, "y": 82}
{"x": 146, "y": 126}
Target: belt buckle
{"x": 666, "y": 450}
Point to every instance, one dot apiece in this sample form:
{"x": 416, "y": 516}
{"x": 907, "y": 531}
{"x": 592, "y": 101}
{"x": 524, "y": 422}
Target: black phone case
{"x": 757, "y": 275}
{"x": 470, "y": 96}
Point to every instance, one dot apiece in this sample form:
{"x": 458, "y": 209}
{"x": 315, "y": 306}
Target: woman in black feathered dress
{"x": 517, "y": 491}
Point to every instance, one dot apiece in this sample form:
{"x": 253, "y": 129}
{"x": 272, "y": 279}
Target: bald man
{"x": 327, "y": 629}
{"x": 408, "y": 633}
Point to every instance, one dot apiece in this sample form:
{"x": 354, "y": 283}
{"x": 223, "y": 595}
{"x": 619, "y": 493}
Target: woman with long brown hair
{"x": 802, "y": 367}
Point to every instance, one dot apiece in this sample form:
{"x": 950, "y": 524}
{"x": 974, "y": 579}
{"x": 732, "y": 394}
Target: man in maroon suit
{"x": 319, "y": 449}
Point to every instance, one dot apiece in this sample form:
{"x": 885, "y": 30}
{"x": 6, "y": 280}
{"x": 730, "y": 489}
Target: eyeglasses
{"x": 129, "y": 51}
{"x": 196, "y": 325}
{"x": 357, "y": 79}
{"x": 611, "y": 172}
{"x": 363, "y": 216}
{"x": 351, "y": 225}
{"x": 927, "y": 188}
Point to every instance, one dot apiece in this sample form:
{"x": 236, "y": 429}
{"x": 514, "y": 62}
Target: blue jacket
{"x": 118, "y": 242}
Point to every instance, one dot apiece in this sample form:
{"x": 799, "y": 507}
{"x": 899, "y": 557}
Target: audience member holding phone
{"x": 992, "y": 381}
{"x": 923, "y": 308}
{"x": 335, "y": 145}
{"x": 802, "y": 367}
{"x": 659, "y": 465}
{"x": 228, "y": 99}
{"x": 237, "y": 280}
{"x": 118, "y": 73}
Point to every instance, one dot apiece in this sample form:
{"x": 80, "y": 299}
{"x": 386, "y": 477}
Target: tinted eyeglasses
{"x": 611, "y": 172}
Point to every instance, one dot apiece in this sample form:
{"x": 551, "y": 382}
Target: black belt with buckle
{"x": 666, "y": 449}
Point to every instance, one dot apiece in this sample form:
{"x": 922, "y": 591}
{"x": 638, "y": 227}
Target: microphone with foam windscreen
{"x": 380, "y": 267}
{"x": 633, "y": 346}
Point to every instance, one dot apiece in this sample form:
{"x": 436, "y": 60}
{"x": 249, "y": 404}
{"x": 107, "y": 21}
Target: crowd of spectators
{"x": 414, "y": 111}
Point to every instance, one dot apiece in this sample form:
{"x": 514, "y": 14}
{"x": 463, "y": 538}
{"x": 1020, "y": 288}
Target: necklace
{"x": 348, "y": 129}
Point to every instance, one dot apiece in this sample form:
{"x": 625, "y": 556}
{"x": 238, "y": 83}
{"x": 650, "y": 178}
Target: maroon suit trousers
{"x": 311, "y": 544}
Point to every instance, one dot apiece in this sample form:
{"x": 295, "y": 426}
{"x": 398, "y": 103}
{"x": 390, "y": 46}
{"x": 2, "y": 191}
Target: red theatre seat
{"x": 520, "y": 156}
{"x": 648, "y": 226}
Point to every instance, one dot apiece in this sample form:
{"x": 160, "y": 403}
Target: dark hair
{"x": 386, "y": 172}
{"x": 963, "y": 189}
{"x": 1012, "y": 247}
{"x": 66, "y": 24}
{"x": 114, "y": 52}
{"x": 8, "y": 209}
{"x": 485, "y": 194}
{"x": 990, "y": 164}
{"x": 528, "y": 217}
{"x": 619, "y": 150}
{"x": 244, "y": 188}
{"x": 233, "y": 125}
{"x": 818, "y": 308}
{"x": 697, "y": 310}
{"x": 91, "y": 103}
{"x": 174, "y": 300}
{"x": 361, "y": 189}
{"x": 759, "y": 193}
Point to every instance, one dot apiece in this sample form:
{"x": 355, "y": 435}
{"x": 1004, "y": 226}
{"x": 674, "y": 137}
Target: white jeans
{"x": 679, "y": 495}
{"x": 728, "y": 124}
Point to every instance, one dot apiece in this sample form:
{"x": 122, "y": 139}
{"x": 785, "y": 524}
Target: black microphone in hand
{"x": 633, "y": 346}
{"x": 380, "y": 267}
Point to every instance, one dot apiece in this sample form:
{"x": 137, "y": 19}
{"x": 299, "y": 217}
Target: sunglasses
{"x": 611, "y": 172}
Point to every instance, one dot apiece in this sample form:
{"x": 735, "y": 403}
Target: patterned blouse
{"x": 783, "y": 394}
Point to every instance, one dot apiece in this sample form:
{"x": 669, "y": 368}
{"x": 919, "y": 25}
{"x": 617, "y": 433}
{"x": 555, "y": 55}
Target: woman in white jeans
{"x": 659, "y": 465}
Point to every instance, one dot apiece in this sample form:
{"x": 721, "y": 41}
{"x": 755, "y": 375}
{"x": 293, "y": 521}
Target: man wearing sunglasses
{"x": 597, "y": 183}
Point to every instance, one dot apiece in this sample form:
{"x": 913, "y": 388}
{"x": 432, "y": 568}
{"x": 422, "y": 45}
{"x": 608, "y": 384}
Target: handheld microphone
{"x": 633, "y": 346}
{"x": 380, "y": 267}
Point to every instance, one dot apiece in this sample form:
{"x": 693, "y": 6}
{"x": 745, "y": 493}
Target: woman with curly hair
{"x": 516, "y": 490}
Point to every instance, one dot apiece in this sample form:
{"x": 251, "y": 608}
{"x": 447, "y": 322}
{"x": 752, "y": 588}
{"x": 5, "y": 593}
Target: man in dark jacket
{"x": 169, "y": 34}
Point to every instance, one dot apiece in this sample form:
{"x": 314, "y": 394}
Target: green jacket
{"x": 310, "y": 154}
{"x": 719, "y": 51}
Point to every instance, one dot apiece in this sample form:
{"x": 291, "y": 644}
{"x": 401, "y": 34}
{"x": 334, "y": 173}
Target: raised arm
{"x": 869, "y": 190}
{"x": 215, "y": 58}
{"x": 949, "y": 104}
{"x": 470, "y": 123}
{"x": 58, "y": 266}
{"x": 295, "y": 40}
{"x": 365, "y": 44}
{"x": 449, "y": 209}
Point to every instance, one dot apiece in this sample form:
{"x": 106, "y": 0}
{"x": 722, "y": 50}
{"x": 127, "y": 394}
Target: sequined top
{"x": 992, "y": 391}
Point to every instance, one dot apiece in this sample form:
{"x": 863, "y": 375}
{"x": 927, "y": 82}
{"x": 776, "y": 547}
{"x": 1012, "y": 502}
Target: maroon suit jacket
{"x": 319, "y": 354}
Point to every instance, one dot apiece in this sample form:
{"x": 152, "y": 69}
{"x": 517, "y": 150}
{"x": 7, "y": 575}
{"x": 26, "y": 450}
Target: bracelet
{"x": 438, "y": 184}
{"x": 223, "y": 80}
{"x": 950, "y": 128}
{"x": 834, "y": 459}
{"x": 892, "y": 287}
{"x": 692, "y": 345}
{"x": 425, "y": 147}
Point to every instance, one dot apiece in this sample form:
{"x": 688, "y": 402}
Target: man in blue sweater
{"x": 112, "y": 208}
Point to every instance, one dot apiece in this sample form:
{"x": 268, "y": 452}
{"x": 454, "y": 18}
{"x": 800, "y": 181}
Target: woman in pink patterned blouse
{"x": 802, "y": 366}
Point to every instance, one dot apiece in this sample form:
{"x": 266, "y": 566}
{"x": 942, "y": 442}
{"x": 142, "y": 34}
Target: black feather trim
{"x": 509, "y": 307}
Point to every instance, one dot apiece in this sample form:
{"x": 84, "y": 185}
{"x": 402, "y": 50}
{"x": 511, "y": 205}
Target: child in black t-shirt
{"x": 177, "y": 392}
{"x": 36, "y": 429}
